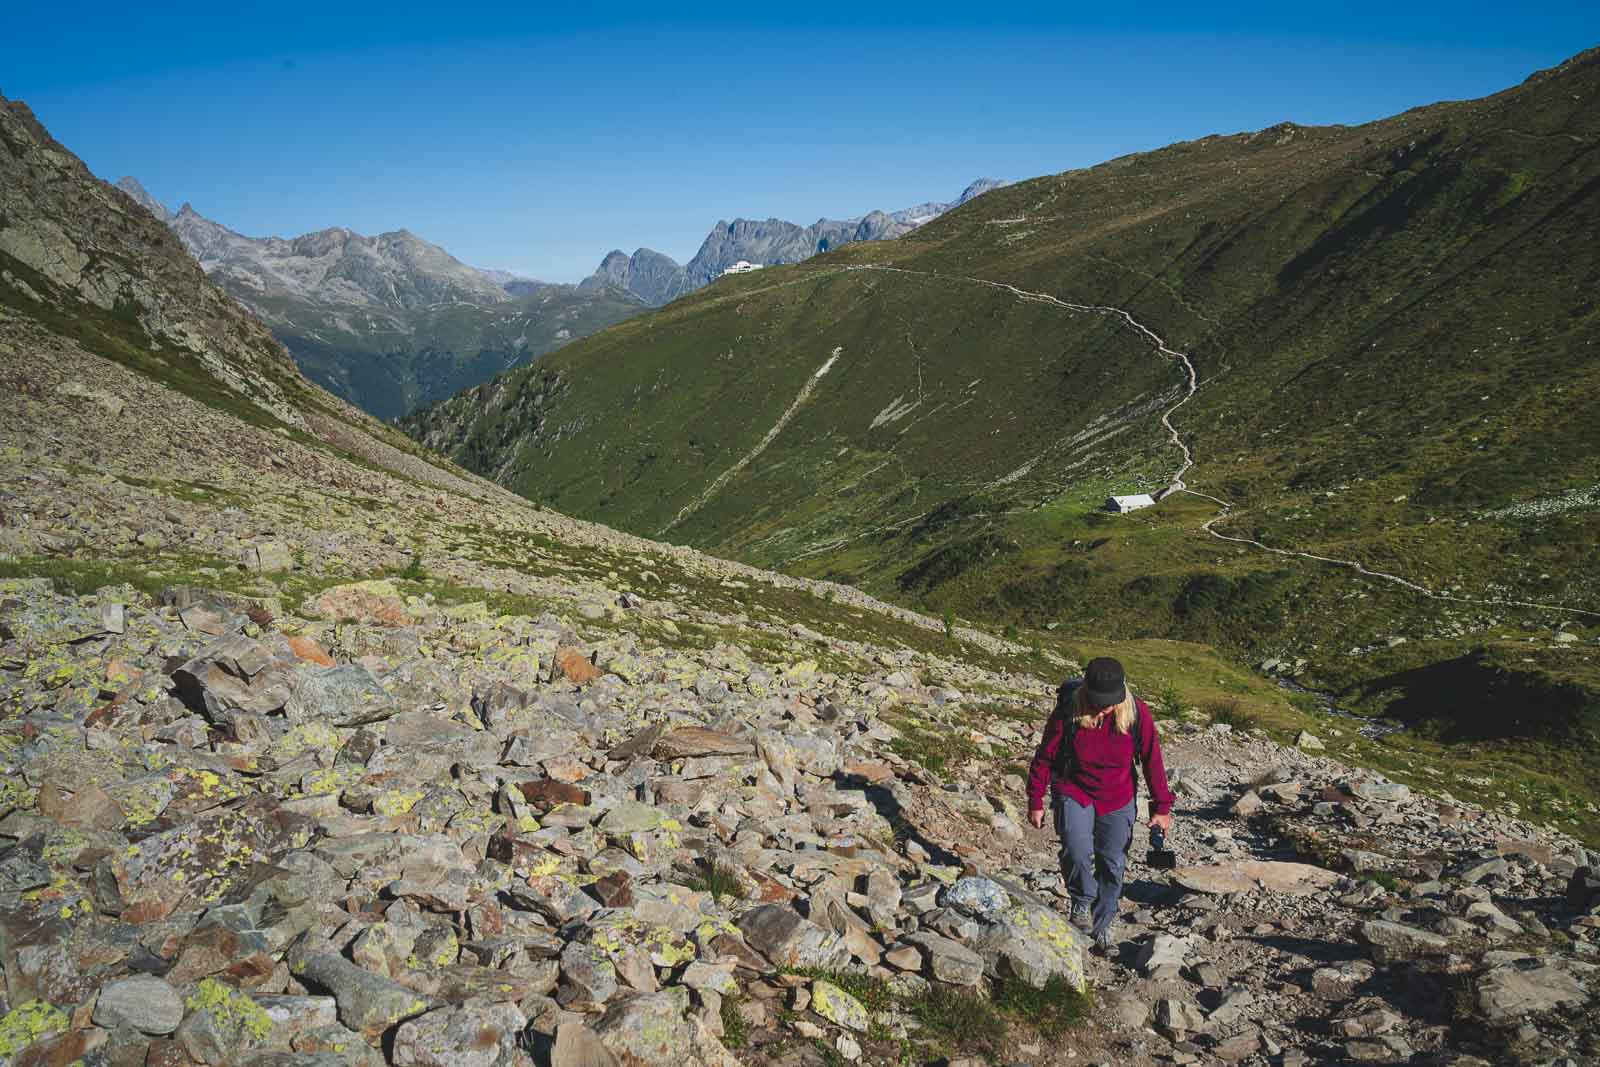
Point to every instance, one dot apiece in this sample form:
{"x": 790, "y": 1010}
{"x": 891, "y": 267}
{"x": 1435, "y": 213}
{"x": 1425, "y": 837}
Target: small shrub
{"x": 413, "y": 571}
{"x": 1052, "y": 1010}
{"x": 735, "y": 1031}
{"x": 1384, "y": 879}
{"x": 1011, "y": 631}
{"x": 960, "y": 1017}
{"x": 1229, "y": 711}
{"x": 719, "y": 881}
{"x": 949, "y": 623}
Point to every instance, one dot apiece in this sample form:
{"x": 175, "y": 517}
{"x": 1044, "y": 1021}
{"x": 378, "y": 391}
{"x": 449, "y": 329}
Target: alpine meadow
{"x": 1396, "y": 342}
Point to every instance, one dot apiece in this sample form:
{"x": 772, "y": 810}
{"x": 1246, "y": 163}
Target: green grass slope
{"x": 1397, "y": 341}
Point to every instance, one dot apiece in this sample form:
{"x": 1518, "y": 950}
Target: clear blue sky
{"x": 538, "y": 137}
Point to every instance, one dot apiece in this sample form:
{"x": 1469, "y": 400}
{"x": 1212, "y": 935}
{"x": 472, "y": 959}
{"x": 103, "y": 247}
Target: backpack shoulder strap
{"x": 1064, "y": 698}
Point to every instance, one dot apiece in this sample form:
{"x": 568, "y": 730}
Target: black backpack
{"x": 1065, "y": 754}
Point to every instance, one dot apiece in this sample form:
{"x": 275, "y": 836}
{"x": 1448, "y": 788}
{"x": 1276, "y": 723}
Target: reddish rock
{"x": 308, "y": 650}
{"x": 769, "y": 891}
{"x": 377, "y": 603}
{"x": 871, "y": 773}
{"x": 614, "y": 890}
{"x": 546, "y": 793}
{"x": 689, "y": 741}
{"x": 571, "y": 664}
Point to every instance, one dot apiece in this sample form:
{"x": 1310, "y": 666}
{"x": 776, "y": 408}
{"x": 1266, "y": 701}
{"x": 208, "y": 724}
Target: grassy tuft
{"x": 1052, "y": 1010}
{"x": 719, "y": 881}
{"x": 961, "y": 1017}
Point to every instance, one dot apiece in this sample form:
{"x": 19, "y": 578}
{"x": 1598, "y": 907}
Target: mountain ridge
{"x": 658, "y": 279}
{"x": 1366, "y": 309}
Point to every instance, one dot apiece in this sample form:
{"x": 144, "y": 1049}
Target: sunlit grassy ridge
{"x": 1396, "y": 333}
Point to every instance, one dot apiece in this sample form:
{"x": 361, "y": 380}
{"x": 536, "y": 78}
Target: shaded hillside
{"x": 1397, "y": 344}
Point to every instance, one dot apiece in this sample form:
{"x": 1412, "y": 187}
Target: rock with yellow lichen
{"x": 221, "y": 1024}
{"x": 477, "y": 1033}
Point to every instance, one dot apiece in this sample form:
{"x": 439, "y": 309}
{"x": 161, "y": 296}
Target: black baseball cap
{"x": 1104, "y": 683}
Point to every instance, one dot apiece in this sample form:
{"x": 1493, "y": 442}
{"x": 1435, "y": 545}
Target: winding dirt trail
{"x": 1191, "y": 384}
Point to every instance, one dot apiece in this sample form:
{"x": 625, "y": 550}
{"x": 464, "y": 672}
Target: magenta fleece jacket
{"x": 1102, "y": 774}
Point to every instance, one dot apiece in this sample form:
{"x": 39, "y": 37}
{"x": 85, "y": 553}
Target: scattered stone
{"x": 142, "y": 1001}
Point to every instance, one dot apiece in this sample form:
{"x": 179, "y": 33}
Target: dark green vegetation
{"x": 391, "y": 362}
{"x": 1397, "y": 339}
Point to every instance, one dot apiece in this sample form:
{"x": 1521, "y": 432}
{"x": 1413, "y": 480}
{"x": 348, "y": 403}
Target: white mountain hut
{"x": 1124, "y": 504}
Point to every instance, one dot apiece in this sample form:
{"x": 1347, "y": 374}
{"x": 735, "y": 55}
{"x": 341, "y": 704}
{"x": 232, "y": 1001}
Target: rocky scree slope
{"x": 312, "y": 762}
{"x": 658, "y": 279}
{"x": 319, "y": 753}
{"x": 390, "y": 321}
{"x": 1396, "y": 347}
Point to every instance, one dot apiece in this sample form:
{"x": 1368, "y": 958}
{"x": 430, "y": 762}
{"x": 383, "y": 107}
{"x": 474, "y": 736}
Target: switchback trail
{"x": 1191, "y": 384}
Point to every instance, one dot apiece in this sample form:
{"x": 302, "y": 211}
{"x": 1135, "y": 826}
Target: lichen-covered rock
{"x": 838, "y": 1006}
{"x": 655, "y": 1030}
{"x": 1033, "y": 944}
{"x": 473, "y": 1034}
{"x": 221, "y": 1024}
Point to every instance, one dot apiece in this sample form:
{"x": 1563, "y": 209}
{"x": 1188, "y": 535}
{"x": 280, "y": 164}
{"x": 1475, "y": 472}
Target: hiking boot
{"x": 1105, "y": 944}
{"x": 1082, "y": 917}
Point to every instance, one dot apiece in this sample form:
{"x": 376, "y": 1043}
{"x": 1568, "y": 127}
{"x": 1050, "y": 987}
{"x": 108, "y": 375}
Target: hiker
{"x": 1092, "y": 740}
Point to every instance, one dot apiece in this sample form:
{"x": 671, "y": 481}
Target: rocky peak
{"x": 131, "y": 186}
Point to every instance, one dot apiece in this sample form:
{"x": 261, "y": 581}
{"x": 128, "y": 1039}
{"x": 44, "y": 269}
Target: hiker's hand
{"x": 1036, "y": 816}
{"x": 1163, "y": 821}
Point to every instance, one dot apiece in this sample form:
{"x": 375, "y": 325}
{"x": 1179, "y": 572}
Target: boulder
{"x": 368, "y": 1004}
{"x": 838, "y": 1006}
{"x": 1392, "y": 941}
{"x": 787, "y": 939}
{"x": 346, "y": 695}
{"x": 1511, "y": 991}
{"x": 1246, "y": 876}
{"x": 142, "y": 1001}
{"x": 1034, "y": 944}
{"x": 978, "y": 897}
{"x": 1162, "y": 956}
{"x": 478, "y": 1033}
{"x": 947, "y": 960}
{"x": 690, "y": 741}
{"x": 655, "y": 1030}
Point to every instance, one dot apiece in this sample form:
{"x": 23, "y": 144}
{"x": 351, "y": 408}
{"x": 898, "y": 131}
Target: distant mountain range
{"x": 657, "y": 279}
{"x": 392, "y": 322}
{"x": 389, "y": 322}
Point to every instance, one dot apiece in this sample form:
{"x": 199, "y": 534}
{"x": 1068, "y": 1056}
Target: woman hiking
{"x": 1092, "y": 740}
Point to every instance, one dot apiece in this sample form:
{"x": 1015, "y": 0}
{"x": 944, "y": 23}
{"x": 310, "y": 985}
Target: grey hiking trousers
{"x": 1094, "y": 855}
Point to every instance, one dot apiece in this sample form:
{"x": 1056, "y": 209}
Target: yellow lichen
{"x": 230, "y": 1008}
{"x": 29, "y": 1022}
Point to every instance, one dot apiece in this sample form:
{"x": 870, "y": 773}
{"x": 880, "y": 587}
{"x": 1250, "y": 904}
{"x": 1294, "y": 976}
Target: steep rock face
{"x": 649, "y": 275}
{"x": 392, "y": 271}
{"x": 657, "y": 279}
{"x": 72, "y": 246}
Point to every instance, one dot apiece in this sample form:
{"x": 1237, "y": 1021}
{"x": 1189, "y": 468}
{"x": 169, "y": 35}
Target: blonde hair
{"x": 1124, "y": 717}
